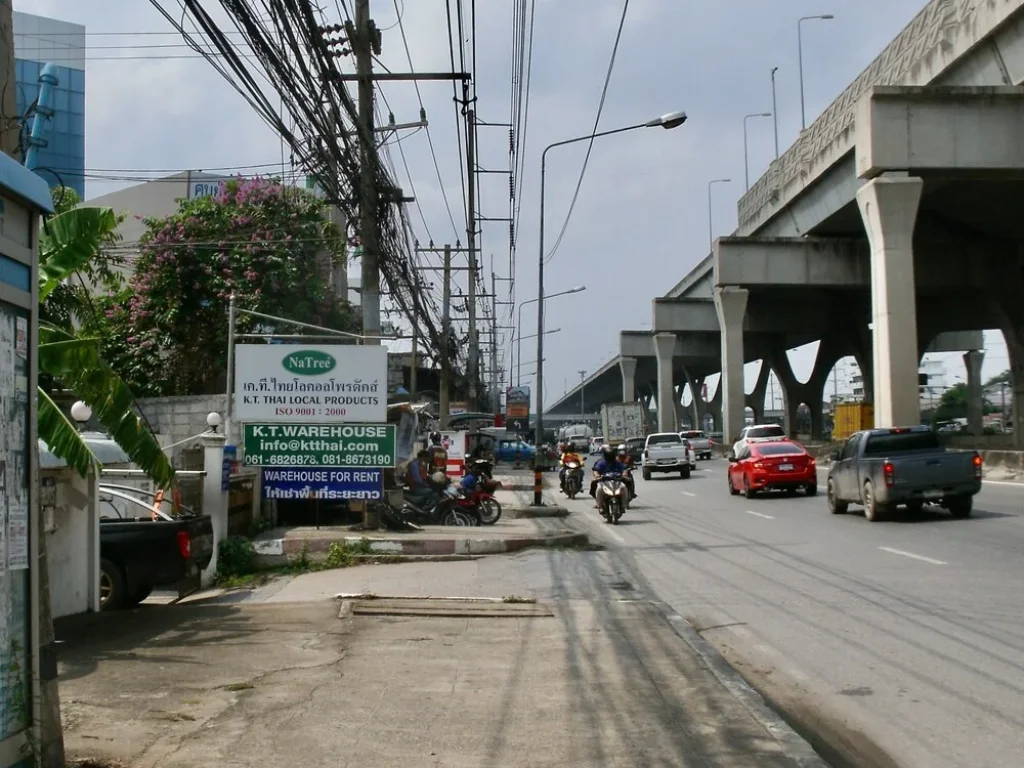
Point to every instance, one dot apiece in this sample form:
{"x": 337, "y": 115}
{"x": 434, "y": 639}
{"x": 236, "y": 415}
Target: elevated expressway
{"x": 889, "y": 229}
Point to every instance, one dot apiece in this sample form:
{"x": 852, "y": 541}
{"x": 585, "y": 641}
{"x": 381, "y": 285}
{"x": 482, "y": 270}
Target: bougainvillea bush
{"x": 269, "y": 245}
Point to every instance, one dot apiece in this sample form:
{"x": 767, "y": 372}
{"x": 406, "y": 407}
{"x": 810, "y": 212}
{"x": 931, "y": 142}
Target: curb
{"x": 281, "y": 551}
{"x": 795, "y": 746}
{"x": 530, "y": 511}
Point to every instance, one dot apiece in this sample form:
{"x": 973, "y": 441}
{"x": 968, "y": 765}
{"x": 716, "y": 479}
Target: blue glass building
{"x": 38, "y": 41}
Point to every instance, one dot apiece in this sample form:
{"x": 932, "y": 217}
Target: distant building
{"x": 39, "y": 41}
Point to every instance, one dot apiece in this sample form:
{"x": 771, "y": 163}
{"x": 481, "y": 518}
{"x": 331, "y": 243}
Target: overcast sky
{"x": 641, "y": 221}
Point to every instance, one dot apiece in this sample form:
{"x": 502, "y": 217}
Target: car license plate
{"x": 785, "y": 467}
{"x": 666, "y": 461}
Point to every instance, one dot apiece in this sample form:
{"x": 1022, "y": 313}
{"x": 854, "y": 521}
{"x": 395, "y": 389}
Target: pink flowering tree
{"x": 269, "y": 245}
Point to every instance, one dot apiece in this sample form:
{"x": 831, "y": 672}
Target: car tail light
{"x": 889, "y": 471}
{"x": 710, "y": 442}
{"x": 977, "y": 466}
{"x": 759, "y": 465}
{"x": 184, "y": 544}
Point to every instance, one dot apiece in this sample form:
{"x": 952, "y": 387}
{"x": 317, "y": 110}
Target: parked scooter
{"x": 573, "y": 479}
{"x": 612, "y": 497}
{"x": 446, "y": 510}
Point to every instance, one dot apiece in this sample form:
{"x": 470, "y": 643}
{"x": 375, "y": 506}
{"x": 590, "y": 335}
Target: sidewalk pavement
{"x": 374, "y": 684}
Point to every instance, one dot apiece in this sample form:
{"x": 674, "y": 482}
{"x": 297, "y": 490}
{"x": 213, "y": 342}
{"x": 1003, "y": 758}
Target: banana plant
{"x": 67, "y": 243}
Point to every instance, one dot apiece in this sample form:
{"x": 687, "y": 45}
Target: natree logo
{"x": 309, "y": 362}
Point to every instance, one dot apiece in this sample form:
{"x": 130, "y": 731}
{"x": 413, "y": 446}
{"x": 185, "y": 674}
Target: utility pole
{"x": 446, "y": 327}
{"x": 775, "y": 113}
{"x": 412, "y": 362}
{"x": 444, "y": 390}
{"x": 10, "y": 124}
{"x": 474, "y": 339}
{"x": 495, "y": 397}
{"x": 337, "y": 273}
{"x": 363, "y": 42}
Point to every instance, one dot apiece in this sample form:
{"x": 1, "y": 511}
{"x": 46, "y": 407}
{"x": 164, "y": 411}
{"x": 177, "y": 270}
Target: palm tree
{"x": 68, "y": 242}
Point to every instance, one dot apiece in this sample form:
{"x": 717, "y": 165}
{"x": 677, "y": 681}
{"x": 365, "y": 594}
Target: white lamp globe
{"x": 213, "y": 420}
{"x": 81, "y": 412}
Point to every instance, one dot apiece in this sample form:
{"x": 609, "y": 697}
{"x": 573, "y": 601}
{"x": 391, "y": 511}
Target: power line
{"x": 590, "y": 144}
{"x": 430, "y": 141}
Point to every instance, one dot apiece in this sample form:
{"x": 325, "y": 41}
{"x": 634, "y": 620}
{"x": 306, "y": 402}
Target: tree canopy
{"x": 269, "y": 245}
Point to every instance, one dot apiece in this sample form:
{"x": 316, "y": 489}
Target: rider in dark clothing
{"x": 607, "y": 464}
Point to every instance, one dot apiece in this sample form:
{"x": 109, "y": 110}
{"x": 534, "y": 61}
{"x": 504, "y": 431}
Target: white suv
{"x": 757, "y": 433}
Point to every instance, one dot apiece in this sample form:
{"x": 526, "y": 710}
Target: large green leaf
{"x": 62, "y": 438}
{"x": 78, "y": 365}
{"x": 70, "y": 240}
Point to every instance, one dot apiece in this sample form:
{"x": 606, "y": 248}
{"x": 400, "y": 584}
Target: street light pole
{"x": 746, "y": 153}
{"x": 519, "y": 327}
{"x": 671, "y": 120}
{"x": 711, "y": 224}
{"x": 800, "y": 59}
{"x": 775, "y": 113}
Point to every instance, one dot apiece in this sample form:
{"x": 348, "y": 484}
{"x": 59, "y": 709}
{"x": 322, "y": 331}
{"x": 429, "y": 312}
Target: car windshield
{"x": 667, "y": 438}
{"x": 634, "y": 444}
{"x": 898, "y": 442}
{"x": 755, "y": 433}
{"x": 779, "y": 449}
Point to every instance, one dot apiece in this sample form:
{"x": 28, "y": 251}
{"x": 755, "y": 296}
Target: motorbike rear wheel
{"x": 457, "y": 517}
{"x": 489, "y": 511}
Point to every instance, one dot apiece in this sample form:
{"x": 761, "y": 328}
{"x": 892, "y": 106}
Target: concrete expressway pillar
{"x": 664, "y": 349}
{"x": 888, "y": 207}
{"x": 731, "y": 306}
{"x": 975, "y": 410}
{"x": 628, "y": 367}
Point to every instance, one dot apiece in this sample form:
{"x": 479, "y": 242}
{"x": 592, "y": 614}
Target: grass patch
{"x": 238, "y": 687}
{"x": 236, "y": 563}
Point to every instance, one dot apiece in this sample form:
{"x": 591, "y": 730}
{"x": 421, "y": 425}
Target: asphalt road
{"x": 902, "y": 640}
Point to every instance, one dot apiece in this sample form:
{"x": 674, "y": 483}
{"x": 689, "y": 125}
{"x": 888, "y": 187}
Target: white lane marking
{"x": 691, "y": 495}
{"x": 758, "y": 514}
{"x": 912, "y": 556}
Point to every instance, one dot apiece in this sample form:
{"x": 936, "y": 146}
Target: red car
{"x": 771, "y": 465}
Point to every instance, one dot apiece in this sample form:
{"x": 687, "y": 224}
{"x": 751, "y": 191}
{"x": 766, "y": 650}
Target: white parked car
{"x": 595, "y": 445}
{"x": 667, "y": 452}
{"x": 756, "y": 433}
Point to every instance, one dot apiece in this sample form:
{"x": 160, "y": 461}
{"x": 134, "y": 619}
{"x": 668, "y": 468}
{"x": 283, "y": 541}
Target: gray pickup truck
{"x": 885, "y": 468}
{"x": 699, "y": 441}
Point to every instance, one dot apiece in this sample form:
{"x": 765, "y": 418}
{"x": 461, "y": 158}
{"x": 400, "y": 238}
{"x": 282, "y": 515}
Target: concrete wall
{"x": 66, "y": 523}
{"x": 174, "y": 419}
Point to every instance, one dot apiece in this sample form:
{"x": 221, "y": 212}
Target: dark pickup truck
{"x": 140, "y": 550}
{"x": 885, "y": 468}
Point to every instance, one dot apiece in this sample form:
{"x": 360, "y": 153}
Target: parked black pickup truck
{"x": 884, "y": 468}
{"x": 140, "y": 550}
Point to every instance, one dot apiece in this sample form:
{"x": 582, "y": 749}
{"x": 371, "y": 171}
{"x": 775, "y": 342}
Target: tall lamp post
{"x": 800, "y": 58}
{"x": 671, "y": 120}
{"x": 519, "y": 327}
{"x": 711, "y": 222}
{"x": 746, "y": 153}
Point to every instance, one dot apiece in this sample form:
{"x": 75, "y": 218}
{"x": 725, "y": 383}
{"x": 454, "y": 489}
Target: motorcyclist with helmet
{"x": 568, "y": 456}
{"x": 627, "y": 461}
{"x": 607, "y": 464}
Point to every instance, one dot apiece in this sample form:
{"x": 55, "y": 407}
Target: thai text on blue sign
{"x": 323, "y": 483}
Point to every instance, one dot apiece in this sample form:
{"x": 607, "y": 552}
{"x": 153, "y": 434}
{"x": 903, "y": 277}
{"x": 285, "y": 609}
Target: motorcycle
{"x": 612, "y": 497}
{"x": 573, "y": 479}
{"x": 482, "y": 499}
{"x": 449, "y": 509}
{"x": 482, "y": 468}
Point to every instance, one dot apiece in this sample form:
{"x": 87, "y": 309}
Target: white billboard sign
{"x": 310, "y": 384}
